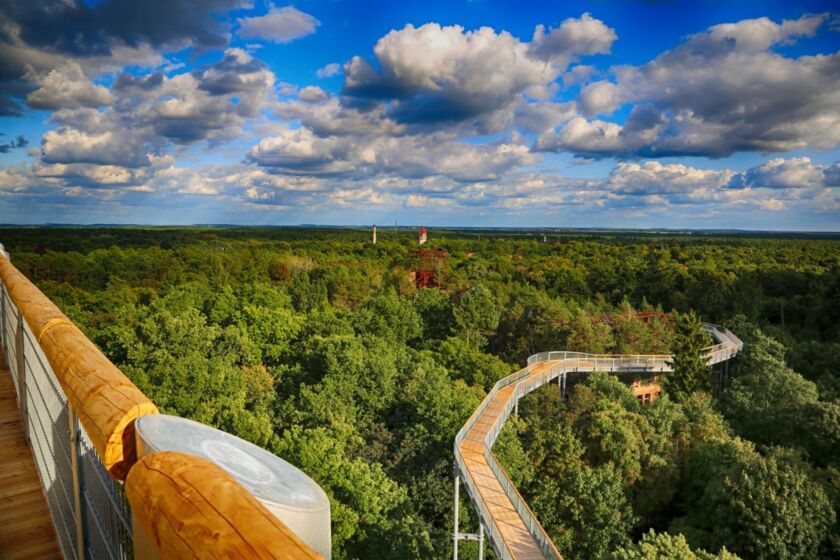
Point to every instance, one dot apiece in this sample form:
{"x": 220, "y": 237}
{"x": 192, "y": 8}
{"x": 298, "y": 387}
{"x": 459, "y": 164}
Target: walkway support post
{"x": 480, "y": 540}
{"x": 455, "y": 533}
{"x": 725, "y": 375}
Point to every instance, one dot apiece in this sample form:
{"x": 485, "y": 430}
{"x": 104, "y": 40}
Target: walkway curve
{"x": 511, "y": 526}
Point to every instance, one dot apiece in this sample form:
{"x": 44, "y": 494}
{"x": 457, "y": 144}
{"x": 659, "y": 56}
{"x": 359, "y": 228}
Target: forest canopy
{"x": 318, "y": 346}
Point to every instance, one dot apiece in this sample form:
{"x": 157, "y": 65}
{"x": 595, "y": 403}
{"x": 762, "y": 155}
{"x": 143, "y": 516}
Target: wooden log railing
{"x": 104, "y": 399}
{"x": 79, "y": 411}
{"x": 187, "y": 507}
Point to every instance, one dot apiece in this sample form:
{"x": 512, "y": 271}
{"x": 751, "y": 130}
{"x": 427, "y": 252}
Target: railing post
{"x": 21, "y": 373}
{"x": 75, "y": 455}
{"x": 5, "y": 359}
{"x": 455, "y": 533}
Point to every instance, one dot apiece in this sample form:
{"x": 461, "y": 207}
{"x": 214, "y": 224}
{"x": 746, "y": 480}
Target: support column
{"x": 725, "y": 375}
{"x": 480, "y": 540}
{"x": 455, "y": 533}
{"x": 516, "y": 408}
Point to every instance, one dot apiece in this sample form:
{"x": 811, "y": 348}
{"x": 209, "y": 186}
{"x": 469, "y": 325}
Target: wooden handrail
{"x": 183, "y": 506}
{"x": 104, "y": 399}
{"x": 192, "y": 508}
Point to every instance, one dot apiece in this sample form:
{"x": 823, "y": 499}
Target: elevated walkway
{"x": 26, "y": 528}
{"x": 76, "y": 483}
{"x": 512, "y": 528}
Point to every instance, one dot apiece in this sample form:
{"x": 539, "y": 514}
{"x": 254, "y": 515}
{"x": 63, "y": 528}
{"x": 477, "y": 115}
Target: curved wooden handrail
{"x": 104, "y": 399}
{"x": 192, "y": 508}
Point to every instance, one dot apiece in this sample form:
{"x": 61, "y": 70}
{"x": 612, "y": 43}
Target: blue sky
{"x": 600, "y": 114}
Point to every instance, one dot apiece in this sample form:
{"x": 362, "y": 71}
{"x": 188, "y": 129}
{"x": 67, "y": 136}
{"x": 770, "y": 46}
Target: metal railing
{"x": 79, "y": 421}
{"x": 528, "y": 379}
{"x": 533, "y": 525}
{"x": 88, "y": 507}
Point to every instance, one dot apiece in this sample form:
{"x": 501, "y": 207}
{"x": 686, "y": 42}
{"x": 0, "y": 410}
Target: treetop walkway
{"x": 512, "y": 528}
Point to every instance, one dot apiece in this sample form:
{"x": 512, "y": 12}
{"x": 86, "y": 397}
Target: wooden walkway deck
{"x": 26, "y": 527}
{"x": 517, "y": 538}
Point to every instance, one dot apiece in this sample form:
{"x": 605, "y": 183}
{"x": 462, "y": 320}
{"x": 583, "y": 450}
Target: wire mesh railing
{"x": 532, "y": 377}
{"x": 88, "y": 508}
{"x": 79, "y": 410}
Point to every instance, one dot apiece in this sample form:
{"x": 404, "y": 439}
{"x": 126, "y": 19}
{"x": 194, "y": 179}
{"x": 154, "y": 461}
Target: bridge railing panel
{"x": 531, "y": 522}
{"x": 486, "y": 519}
{"x": 10, "y": 320}
{"x": 533, "y": 525}
{"x": 88, "y": 507}
{"x": 107, "y": 514}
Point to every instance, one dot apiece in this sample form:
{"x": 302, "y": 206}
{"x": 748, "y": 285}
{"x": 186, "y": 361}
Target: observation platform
{"x": 512, "y": 528}
{"x": 26, "y": 528}
{"x": 78, "y": 482}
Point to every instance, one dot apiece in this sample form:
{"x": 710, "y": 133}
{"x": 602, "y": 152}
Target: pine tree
{"x": 690, "y": 371}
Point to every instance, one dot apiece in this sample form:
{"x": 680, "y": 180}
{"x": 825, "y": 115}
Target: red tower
{"x": 425, "y": 267}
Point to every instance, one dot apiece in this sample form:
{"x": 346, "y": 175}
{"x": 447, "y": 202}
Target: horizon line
{"x": 389, "y": 227}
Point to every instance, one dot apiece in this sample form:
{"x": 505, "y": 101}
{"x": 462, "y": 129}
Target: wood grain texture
{"x": 26, "y": 527}
{"x": 191, "y": 508}
{"x": 104, "y": 399}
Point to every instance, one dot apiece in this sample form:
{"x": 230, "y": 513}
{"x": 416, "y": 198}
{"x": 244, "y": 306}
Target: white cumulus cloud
{"x": 722, "y": 91}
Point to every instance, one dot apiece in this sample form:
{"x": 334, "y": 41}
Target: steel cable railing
{"x": 529, "y": 379}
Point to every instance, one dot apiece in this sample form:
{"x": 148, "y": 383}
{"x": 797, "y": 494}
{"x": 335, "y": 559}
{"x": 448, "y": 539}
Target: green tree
{"x": 389, "y": 316}
{"x": 586, "y": 336}
{"x": 763, "y": 508}
{"x": 663, "y": 546}
{"x": 477, "y": 315}
{"x": 436, "y": 312}
{"x": 690, "y": 372}
{"x": 469, "y": 363}
{"x": 307, "y": 294}
{"x": 586, "y": 512}
{"x": 368, "y": 507}
{"x": 770, "y": 403}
